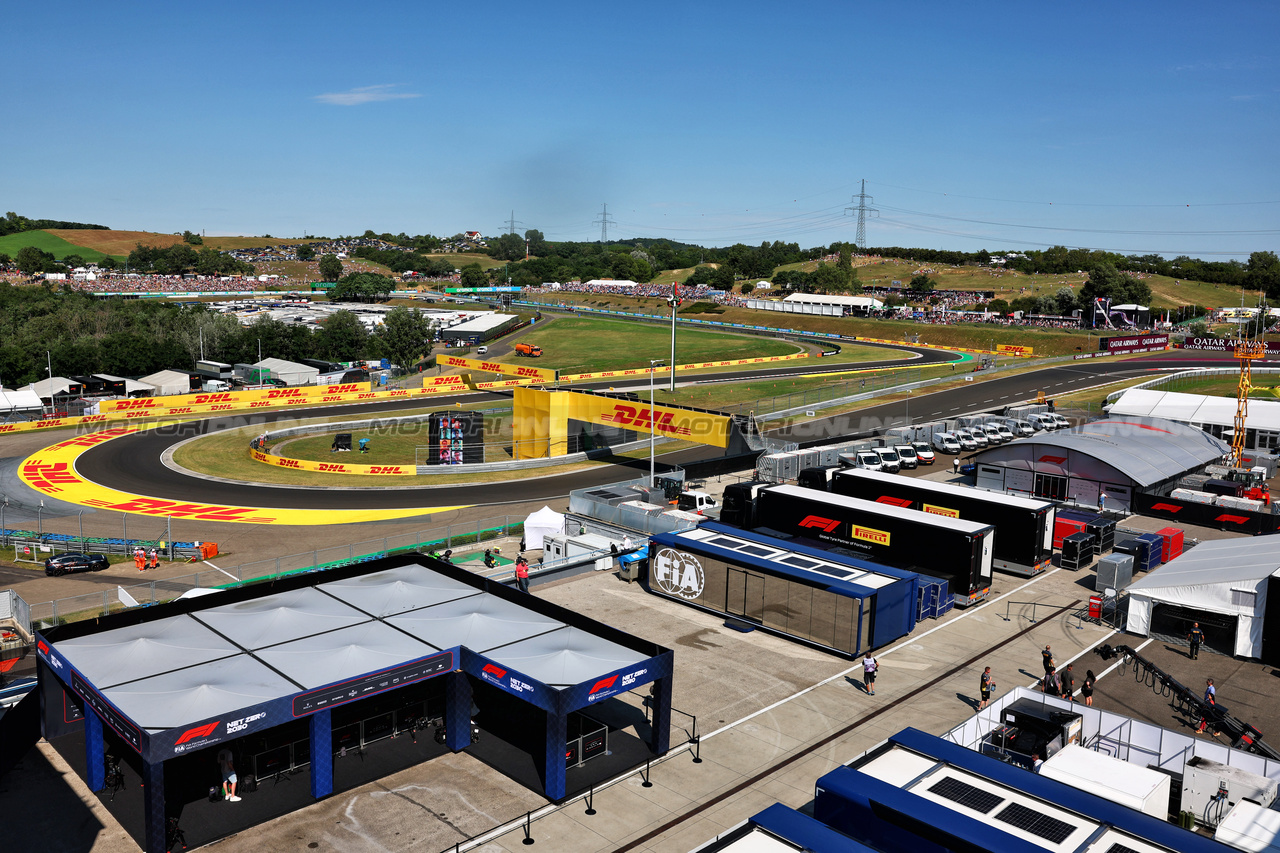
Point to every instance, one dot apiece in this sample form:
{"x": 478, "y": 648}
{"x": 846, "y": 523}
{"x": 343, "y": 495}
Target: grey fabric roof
{"x": 279, "y": 618}
{"x": 1147, "y": 450}
{"x": 220, "y": 687}
{"x": 479, "y": 622}
{"x": 565, "y": 657}
{"x": 325, "y": 658}
{"x": 397, "y": 590}
{"x": 149, "y": 648}
{"x": 220, "y": 659}
{"x": 1217, "y": 561}
{"x": 1196, "y": 408}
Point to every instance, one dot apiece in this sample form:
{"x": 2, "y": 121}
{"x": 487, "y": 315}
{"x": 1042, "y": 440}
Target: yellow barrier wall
{"x": 541, "y": 374}
{"x": 332, "y": 467}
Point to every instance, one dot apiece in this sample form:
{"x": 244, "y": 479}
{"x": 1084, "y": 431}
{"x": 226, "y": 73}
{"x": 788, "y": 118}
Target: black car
{"x": 74, "y": 561}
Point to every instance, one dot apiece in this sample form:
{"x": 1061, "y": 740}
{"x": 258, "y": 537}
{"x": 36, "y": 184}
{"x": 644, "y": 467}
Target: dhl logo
{"x": 384, "y": 469}
{"x": 331, "y": 399}
{"x": 941, "y": 510}
{"x": 331, "y": 466}
{"x": 181, "y": 410}
{"x": 528, "y": 371}
{"x": 204, "y": 512}
{"x": 870, "y": 534}
{"x": 290, "y": 463}
{"x": 342, "y": 389}
{"x": 221, "y": 407}
{"x": 125, "y": 405}
{"x": 259, "y": 404}
{"x": 629, "y": 416}
{"x": 201, "y": 399}
{"x": 278, "y": 393}
{"x": 1166, "y": 507}
{"x": 95, "y": 438}
{"x": 492, "y": 366}
{"x": 826, "y": 525}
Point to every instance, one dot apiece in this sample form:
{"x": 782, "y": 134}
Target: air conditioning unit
{"x": 1210, "y": 789}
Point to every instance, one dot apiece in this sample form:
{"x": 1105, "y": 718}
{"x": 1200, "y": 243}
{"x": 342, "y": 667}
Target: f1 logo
{"x": 198, "y": 732}
{"x": 826, "y": 525}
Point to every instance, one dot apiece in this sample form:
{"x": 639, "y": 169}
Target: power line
{"x": 512, "y": 223}
{"x": 604, "y": 222}
{"x": 862, "y": 198}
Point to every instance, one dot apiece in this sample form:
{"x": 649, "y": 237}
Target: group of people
{"x": 1063, "y": 684}
{"x": 144, "y": 559}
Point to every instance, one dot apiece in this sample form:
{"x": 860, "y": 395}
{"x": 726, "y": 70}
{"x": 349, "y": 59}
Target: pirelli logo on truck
{"x": 869, "y": 534}
{"x": 941, "y": 510}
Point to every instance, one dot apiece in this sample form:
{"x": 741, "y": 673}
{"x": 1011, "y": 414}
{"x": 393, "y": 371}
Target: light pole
{"x": 49, "y": 355}
{"x": 674, "y": 302}
{"x": 652, "y": 431}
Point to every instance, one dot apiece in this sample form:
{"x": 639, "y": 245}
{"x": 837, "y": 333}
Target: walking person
{"x": 985, "y": 685}
{"x": 955, "y": 465}
{"x": 869, "y": 667}
{"x": 522, "y": 574}
{"x": 1046, "y": 658}
{"x": 1211, "y": 703}
{"x": 1049, "y": 684}
{"x": 1195, "y": 636}
{"x": 1102, "y": 501}
{"x": 227, "y": 767}
{"x": 1086, "y": 689}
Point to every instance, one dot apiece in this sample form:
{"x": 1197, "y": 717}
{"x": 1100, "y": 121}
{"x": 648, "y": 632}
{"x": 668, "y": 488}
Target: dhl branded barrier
{"x": 702, "y": 365}
{"x": 1010, "y": 349}
{"x": 333, "y": 467}
{"x": 541, "y": 374}
{"x": 926, "y": 346}
{"x": 52, "y": 471}
{"x": 238, "y": 399}
{"x": 541, "y": 420}
{"x": 453, "y": 380}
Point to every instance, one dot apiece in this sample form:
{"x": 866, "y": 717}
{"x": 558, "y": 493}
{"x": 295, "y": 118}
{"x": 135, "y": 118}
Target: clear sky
{"x": 1133, "y": 127}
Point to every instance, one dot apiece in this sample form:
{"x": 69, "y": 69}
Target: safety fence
{"x": 96, "y": 604}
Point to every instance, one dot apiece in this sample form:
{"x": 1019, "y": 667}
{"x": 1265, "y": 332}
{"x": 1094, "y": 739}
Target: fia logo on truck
{"x": 680, "y": 574}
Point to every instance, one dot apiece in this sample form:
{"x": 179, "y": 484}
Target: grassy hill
{"x": 52, "y": 242}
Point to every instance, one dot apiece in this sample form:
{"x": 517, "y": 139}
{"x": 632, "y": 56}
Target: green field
{"x": 588, "y": 345}
{"x": 10, "y": 244}
{"x": 1265, "y": 386}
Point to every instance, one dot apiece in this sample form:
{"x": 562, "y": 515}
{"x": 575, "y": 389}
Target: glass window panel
{"x": 754, "y": 608}
{"x": 777, "y": 605}
{"x": 800, "y": 603}
{"x": 846, "y": 624}
{"x": 736, "y": 594}
{"x": 823, "y": 625}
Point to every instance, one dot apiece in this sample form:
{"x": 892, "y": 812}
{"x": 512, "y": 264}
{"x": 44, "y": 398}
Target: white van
{"x": 946, "y": 442}
{"x": 993, "y": 434}
{"x": 1006, "y": 434}
{"x": 868, "y": 459}
{"x": 482, "y": 350}
{"x": 967, "y": 439}
{"x": 907, "y": 455}
{"x": 924, "y": 453}
{"x": 1058, "y": 419}
{"x": 1041, "y": 422}
{"x": 1020, "y": 428}
{"x": 889, "y": 461}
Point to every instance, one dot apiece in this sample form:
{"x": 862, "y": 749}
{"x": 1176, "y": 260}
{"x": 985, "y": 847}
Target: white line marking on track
{"x": 224, "y": 571}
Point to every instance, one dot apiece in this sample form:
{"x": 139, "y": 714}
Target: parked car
{"x": 74, "y": 561}
{"x": 924, "y": 453}
{"x": 906, "y": 455}
{"x": 889, "y": 461}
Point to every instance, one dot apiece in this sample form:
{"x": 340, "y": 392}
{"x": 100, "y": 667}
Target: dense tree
{"x": 473, "y": 276}
{"x": 508, "y": 247}
{"x": 344, "y": 337}
{"x": 922, "y": 284}
{"x": 406, "y": 334}
{"x": 330, "y": 268}
{"x": 32, "y": 260}
{"x": 362, "y": 287}
{"x": 305, "y": 252}
{"x": 537, "y": 242}
{"x": 1106, "y": 282}
{"x": 192, "y": 238}
{"x": 1262, "y": 274}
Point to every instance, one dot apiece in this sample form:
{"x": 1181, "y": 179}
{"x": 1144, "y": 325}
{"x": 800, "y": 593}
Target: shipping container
{"x": 952, "y": 549}
{"x": 1024, "y": 526}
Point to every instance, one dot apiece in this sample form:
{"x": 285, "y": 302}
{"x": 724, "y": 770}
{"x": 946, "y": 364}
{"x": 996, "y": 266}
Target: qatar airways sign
{"x": 1224, "y": 345}
{"x": 1133, "y": 343}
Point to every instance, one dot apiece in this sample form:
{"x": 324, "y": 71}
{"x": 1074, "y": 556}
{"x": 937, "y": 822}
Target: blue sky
{"x": 1130, "y": 127}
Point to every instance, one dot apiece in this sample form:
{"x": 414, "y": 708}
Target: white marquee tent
{"x": 1228, "y": 577}
{"x": 545, "y": 522}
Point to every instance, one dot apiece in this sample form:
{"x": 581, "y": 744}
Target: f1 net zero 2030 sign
{"x": 679, "y": 574}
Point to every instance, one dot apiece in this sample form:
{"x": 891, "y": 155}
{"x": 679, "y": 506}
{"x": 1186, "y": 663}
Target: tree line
{"x": 83, "y": 334}
{"x": 14, "y": 224}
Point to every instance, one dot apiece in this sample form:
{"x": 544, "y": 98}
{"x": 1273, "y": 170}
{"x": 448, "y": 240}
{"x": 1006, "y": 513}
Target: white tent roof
{"x": 59, "y": 385}
{"x": 168, "y": 382}
{"x": 290, "y": 372}
{"x": 545, "y": 522}
{"x": 1195, "y": 408}
{"x": 833, "y": 299}
{"x": 1227, "y": 576}
{"x": 19, "y": 400}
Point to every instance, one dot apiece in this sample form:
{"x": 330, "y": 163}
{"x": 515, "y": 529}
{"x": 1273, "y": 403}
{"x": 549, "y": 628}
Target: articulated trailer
{"x": 952, "y": 549}
{"x": 1024, "y": 545}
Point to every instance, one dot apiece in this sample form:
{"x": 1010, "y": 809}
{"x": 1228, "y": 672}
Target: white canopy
{"x": 168, "y": 382}
{"x": 544, "y": 522}
{"x": 1226, "y": 576}
{"x": 19, "y": 401}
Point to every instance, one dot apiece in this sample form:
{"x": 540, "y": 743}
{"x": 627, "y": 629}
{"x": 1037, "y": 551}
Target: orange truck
{"x": 529, "y": 350}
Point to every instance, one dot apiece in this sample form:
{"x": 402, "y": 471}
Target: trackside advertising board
{"x": 523, "y": 371}
{"x": 703, "y": 427}
{"x": 278, "y": 396}
{"x": 1131, "y": 344}
{"x": 1223, "y": 345}
{"x": 333, "y": 467}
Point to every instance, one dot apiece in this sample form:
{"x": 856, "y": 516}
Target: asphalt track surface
{"x": 133, "y": 463}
